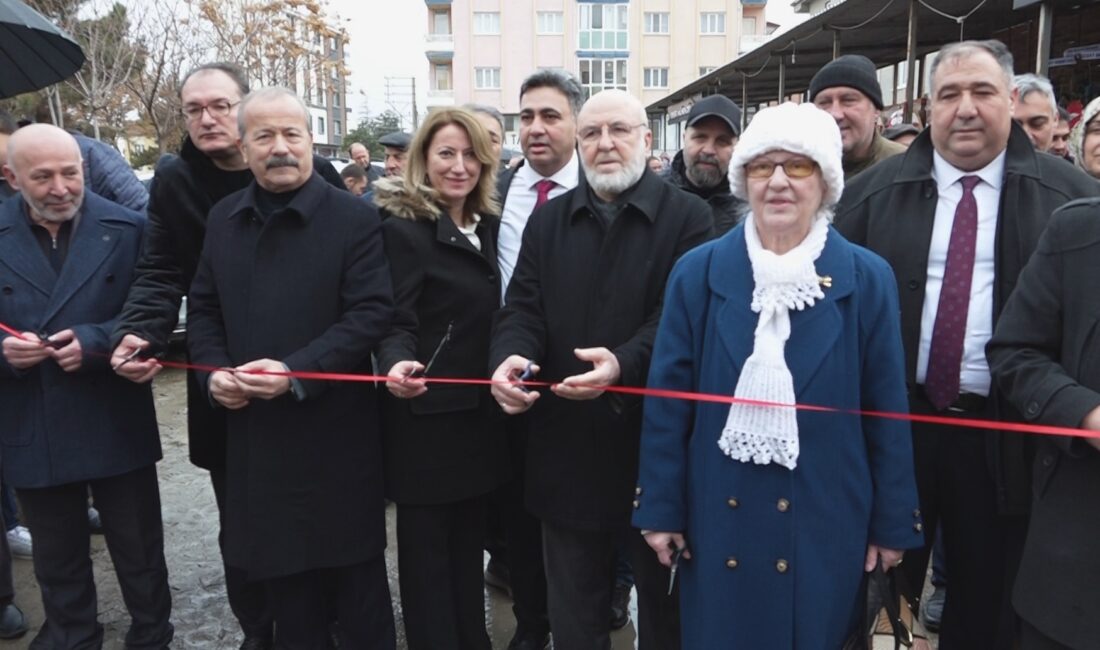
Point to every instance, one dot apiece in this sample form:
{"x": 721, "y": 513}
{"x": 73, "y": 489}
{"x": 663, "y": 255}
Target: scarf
{"x": 1077, "y": 137}
{"x": 767, "y": 434}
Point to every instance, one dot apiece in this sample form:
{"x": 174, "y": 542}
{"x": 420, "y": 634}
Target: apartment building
{"x": 481, "y": 50}
{"x": 320, "y": 78}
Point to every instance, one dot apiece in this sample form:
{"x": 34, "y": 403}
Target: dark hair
{"x": 7, "y": 123}
{"x": 1064, "y": 115}
{"x": 962, "y": 49}
{"x": 560, "y": 80}
{"x": 486, "y": 110}
{"x": 353, "y": 171}
{"x": 232, "y": 70}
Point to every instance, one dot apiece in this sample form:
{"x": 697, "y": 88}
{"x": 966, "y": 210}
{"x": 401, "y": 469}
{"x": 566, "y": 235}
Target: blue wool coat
{"x": 62, "y": 427}
{"x": 777, "y": 555}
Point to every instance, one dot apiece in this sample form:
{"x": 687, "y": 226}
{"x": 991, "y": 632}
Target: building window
{"x": 320, "y": 125}
{"x": 337, "y": 127}
{"x": 601, "y": 74}
{"x": 336, "y": 99}
{"x": 655, "y": 78}
{"x": 441, "y": 23}
{"x": 656, "y": 22}
{"x": 486, "y": 22}
{"x": 441, "y": 80}
{"x": 704, "y": 70}
{"x": 712, "y": 22}
{"x": 748, "y": 25}
{"x": 550, "y": 22}
{"x": 602, "y": 27}
{"x": 487, "y": 78}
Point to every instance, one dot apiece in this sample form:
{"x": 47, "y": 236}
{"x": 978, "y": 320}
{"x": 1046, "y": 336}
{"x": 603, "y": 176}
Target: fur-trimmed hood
{"x": 393, "y": 196}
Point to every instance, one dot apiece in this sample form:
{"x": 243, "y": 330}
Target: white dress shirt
{"x": 518, "y": 208}
{"x": 974, "y": 373}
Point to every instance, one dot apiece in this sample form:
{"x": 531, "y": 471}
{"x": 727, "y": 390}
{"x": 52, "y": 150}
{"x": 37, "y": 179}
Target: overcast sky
{"x": 387, "y": 39}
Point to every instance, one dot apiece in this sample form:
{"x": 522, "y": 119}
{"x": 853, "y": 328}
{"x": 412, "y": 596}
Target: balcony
{"x": 750, "y": 42}
{"x": 441, "y": 97}
{"x": 754, "y": 3}
{"x": 439, "y": 43}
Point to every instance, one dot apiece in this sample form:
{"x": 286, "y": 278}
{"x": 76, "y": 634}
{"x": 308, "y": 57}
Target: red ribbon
{"x": 974, "y": 423}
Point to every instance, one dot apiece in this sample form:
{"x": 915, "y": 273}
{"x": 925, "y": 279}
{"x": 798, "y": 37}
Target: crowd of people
{"x": 814, "y": 258}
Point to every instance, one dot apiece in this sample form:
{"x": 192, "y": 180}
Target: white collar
{"x": 947, "y": 174}
{"x": 565, "y": 177}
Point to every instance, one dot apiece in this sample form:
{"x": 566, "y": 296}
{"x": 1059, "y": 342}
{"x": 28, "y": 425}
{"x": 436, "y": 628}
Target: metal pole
{"x": 782, "y": 78}
{"x": 1046, "y": 25}
{"x": 836, "y": 44}
{"x": 744, "y": 100}
{"x": 911, "y": 63}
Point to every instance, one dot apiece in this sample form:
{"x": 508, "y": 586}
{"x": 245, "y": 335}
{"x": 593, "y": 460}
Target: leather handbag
{"x": 886, "y": 611}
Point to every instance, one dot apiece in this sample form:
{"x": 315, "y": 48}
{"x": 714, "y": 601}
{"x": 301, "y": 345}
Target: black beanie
{"x": 852, "y": 70}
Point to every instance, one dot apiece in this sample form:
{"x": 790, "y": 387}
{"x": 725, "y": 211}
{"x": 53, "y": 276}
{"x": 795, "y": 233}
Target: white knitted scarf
{"x": 767, "y": 434}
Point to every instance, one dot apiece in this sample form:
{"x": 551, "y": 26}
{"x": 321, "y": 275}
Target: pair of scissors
{"x": 439, "y": 348}
{"x": 676, "y": 553}
{"x": 526, "y": 375}
{"x": 45, "y": 338}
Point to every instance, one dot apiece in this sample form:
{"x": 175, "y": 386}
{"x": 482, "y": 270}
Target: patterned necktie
{"x": 945, "y": 354}
{"x": 543, "y": 188}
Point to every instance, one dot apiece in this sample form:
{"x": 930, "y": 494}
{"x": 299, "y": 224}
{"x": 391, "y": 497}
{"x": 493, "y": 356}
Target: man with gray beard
{"x": 702, "y": 166}
{"x": 582, "y": 311}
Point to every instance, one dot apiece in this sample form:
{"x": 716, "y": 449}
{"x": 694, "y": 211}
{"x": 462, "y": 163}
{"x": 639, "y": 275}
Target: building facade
{"x": 481, "y": 50}
{"x": 320, "y": 78}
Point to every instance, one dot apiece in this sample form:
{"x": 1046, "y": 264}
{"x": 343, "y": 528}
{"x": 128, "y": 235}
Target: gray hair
{"x": 486, "y": 110}
{"x": 267, "y": 94}
{"x": 1033, "y": 83}
{"x": 964, "y": 49}
{"x": 559, "y": 80}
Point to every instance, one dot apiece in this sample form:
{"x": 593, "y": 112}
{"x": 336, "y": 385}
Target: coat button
{"x": 781, "y": 565}
{"x": 731, "y": 563}
{"x": 7, "y": 290}
{"x": 638, "y": 491}
{"x": 733, "y": 502}
{"x": 110, "y": 277}
{"x": 453, "y": 239}
{"x": 918, "y": 527}
{"x": 1048, "y": 461}
{"x": 916, "y": 513}
{"x": 1033, "y": 408}
{"x": 913, "y": 285}
{"x": 637, "y": 504}
{"x": 783, "y": 505}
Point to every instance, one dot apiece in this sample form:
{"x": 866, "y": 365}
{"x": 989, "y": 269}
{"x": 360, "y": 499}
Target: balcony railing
{"x": 750, "y": 42}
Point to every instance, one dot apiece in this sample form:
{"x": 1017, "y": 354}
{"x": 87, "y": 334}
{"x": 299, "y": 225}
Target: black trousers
{"x": 129, "y": 507}
{"x": 248, "y": 600}
{"x": 580, "y": 571}
{"x": 7, "y": 586}
{"x": 523, "y": 533}
{"x": 302, "y": 606}
{"x": 957, "y": 492}
{"x": 440, "y": 559}
{"x": 1032, "y": 639}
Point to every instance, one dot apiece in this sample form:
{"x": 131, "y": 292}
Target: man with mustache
{"x": 957, "y": 218}
{"x": 581, "y": 310}
{"x": 702, "y": 166}
{"x": 847, "y": 88}
{"x": 209, "y": 167}
{"x": 293, "y": 277}
{"x": 69, "y": 424}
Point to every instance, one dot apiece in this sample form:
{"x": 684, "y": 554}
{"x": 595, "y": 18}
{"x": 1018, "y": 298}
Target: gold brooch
{"x": 825, "y": 281}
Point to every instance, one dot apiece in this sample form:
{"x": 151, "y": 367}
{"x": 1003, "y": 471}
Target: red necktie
{"x": 543, "y": 188}
{"x": 945, "y": 353}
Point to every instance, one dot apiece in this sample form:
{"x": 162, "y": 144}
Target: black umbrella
{"x": 34, "y": 53}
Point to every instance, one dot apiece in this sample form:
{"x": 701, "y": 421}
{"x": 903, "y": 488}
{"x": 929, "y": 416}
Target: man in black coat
{"x": 209, "y": 168}
{"x": 702, "y": 166}
{"x": 293, "y": 277}
{"x": 582, "y": 310}
{"x": 957, "y": 216}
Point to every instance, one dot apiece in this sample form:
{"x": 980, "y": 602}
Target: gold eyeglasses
{"x": 794, "y": 168}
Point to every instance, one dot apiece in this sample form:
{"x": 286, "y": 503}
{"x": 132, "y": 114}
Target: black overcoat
{"x": 890, "y": 208}
{"x": 308, "y": 286}
{"x": 1045, "y": 358}
{"x": 448, "y": 444}
{"x": 183, "y": 190}
{"x": 577, "y": 286}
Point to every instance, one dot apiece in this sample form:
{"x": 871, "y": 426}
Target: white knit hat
{"x": 798, "y": 128}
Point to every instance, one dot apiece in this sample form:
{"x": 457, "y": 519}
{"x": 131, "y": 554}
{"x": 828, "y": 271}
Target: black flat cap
{"x": 718, "y": 106}
{"x": 397, "y": 140}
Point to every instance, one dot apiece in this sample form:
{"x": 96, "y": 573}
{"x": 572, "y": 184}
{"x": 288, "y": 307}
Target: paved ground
{"x": 200, "y": 611}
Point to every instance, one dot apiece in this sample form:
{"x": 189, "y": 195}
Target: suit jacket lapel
{"x": 21, "y": 251}
{"x": 91, "y": 244}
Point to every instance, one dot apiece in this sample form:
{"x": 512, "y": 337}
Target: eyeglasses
{"x": 216, "y": 108}
{"x": 618, "y": 132}
{"x": 794, "y": 168}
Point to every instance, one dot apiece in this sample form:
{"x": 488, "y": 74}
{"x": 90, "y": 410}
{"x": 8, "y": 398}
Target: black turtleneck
{"x": 268, "y": 203}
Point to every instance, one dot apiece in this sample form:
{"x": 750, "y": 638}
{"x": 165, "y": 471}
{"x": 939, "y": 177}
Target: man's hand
{"x": 665, "y": 544}
{"x": 226, "y": 390}
{"x": 1092, "y": 423}
{"x": 589, "y": 385}
{"x": 890, "y": 558}
{"x": 402, "y": 384}
{"x": 512, "y": 398}
{"x": 70, "y": 355}
{"x": 136, "y": 369}
{"x": 262, "y": 386}
{"x": 24, "y": 352}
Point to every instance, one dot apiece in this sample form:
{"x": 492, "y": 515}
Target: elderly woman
{"x": 444, "y": 450}
{"x": 1084, "y": 142}
{"x": 778, "y": 511}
